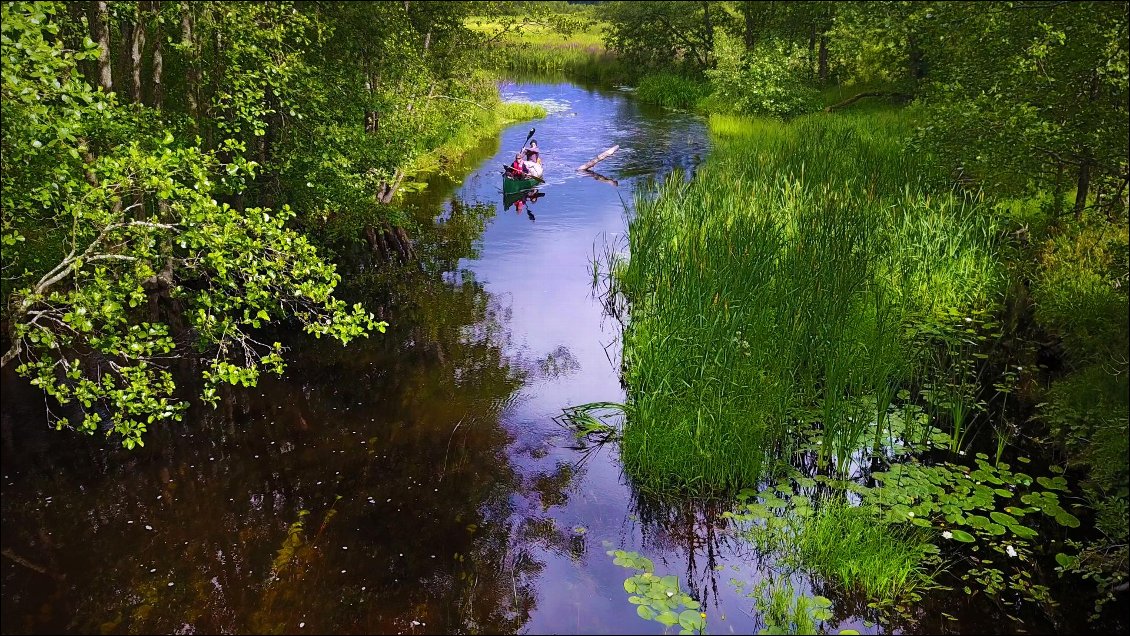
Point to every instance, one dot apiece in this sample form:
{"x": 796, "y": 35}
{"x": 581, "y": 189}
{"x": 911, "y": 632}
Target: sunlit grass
{"x": 540, "y": 35}
{"x": 485, "y": 120}
{"x": 777, "y": 290}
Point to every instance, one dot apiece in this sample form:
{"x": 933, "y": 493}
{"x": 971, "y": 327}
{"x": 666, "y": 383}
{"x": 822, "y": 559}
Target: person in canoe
{"x": 532, "y": 161}
{"x": 518, "y": 168}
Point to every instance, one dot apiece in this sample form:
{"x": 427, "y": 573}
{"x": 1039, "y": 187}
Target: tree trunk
{"x": 192, "y": 83}
{"x": 158, "y": 57}
{"x": 708, "y": 34}
{"x": 100, "y": 33}
{"x": 822, "y": 60}
{"x": 1057, "y": 194}
{"x": 812, "y": 51}
{"x": 1084, "y": 186}
{"x": 601, "y": 157}
{"x": 137, "y": 45}
{"x": 917, "y": 59}
{"x": 749, "y": 35}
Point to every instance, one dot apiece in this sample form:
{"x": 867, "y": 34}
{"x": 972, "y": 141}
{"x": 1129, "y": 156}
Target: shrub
{"x": 767, "y": 81}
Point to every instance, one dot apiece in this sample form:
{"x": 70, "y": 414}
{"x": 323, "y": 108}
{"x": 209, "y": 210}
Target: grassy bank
{"x": 482, "y": 121}
{"x": 789, "y": 286}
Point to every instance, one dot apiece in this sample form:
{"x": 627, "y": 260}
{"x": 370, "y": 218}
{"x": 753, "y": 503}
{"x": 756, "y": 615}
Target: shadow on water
{"x": 380, "y": 472}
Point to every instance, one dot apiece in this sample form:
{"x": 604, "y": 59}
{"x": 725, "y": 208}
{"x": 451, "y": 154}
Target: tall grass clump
{"x": 671, "y": 90}
{"x": 846, "y": 545}
{"x": 777, "y": 291}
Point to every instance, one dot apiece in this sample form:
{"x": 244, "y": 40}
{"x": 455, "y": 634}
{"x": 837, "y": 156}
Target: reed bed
{"x": 779, "y": 290}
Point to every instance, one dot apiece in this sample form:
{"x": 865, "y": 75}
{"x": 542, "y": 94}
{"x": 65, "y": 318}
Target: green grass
{"x": 539, "y": 35}
{"x": 777, "y": 289}
{"x": 483, "y": 122}
{"x": 671, "y": 90}
{"x": 848, "y": 546}
{"x": 541, "y": 51}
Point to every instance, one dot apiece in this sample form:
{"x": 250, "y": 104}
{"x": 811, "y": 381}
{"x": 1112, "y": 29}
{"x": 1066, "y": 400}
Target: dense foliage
{"x": 1020, "y": 113}
{"x": 174, "y": 172}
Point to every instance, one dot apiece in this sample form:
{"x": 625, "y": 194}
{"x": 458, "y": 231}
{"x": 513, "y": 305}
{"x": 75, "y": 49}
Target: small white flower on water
{"x": 670, "y": 593}
{"x": 910, "y": 514}
{"x": 968, "y": 319}
{"x": 947, "y": 534}
{"x": 1011, "y": 551}
{"x": 302, "y": 625}
{"x": 960, "y": 452}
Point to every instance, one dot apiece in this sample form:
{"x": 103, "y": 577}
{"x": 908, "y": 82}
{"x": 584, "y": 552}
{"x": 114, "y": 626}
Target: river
{"x": 413, "y": 482}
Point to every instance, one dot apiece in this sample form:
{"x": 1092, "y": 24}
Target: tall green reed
{"x": 777, "y": 291}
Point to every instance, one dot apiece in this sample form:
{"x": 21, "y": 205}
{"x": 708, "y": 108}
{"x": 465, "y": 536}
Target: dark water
{"x": 414, "y": 482}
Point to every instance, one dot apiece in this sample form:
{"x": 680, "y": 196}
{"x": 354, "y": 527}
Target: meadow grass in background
{"x": 780, "y": 289}
{"x": 539, "y": 35}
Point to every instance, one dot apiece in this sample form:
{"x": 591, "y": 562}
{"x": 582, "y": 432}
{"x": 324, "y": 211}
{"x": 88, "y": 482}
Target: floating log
{"x": 600, "y": 177}
{"x": 601, "y": 157}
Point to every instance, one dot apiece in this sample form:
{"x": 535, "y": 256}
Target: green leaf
{"x": 668, "y": 618}
{"x": 963, "y": 536}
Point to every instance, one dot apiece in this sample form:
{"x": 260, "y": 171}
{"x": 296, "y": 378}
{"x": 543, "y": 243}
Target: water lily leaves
{"x": 1002, "y": 518}
{"x": 977, "y": 521}
{"x": 1053, "y": 483}
{"x": 645, "y": 612}
{"x": 756, "y": 511}
{"x": 691, "y": 620}
{"x": 1066, "y": 519}
{"x": 668, "y": 618}
{"x": 963, "y": 536}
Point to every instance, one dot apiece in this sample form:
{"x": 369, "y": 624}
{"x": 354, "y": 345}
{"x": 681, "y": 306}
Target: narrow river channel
{"x": 412, "y": 482}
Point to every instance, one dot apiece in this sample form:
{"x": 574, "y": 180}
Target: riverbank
{"x": 817, "y": 309}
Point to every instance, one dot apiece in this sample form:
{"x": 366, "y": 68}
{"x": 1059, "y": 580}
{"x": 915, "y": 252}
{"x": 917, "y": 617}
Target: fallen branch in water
{"x": 29, "y": 565}
{"x": 601, "y": 157}
{"x": 600, "y": 177}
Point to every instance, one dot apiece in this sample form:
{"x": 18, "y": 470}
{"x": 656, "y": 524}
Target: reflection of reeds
{"x": 776, "y": 291}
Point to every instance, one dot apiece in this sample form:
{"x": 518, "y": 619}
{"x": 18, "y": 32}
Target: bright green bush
{"x": 767, "y": 81}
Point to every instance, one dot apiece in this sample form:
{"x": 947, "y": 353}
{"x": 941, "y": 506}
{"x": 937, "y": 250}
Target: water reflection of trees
{"x": 393, "y": 446}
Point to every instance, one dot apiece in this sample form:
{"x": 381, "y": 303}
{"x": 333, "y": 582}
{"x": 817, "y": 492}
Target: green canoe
{"x": 513, "y": 186}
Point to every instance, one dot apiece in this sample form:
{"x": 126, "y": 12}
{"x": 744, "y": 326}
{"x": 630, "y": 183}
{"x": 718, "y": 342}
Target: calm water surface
{"x": 414, "y": 482}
